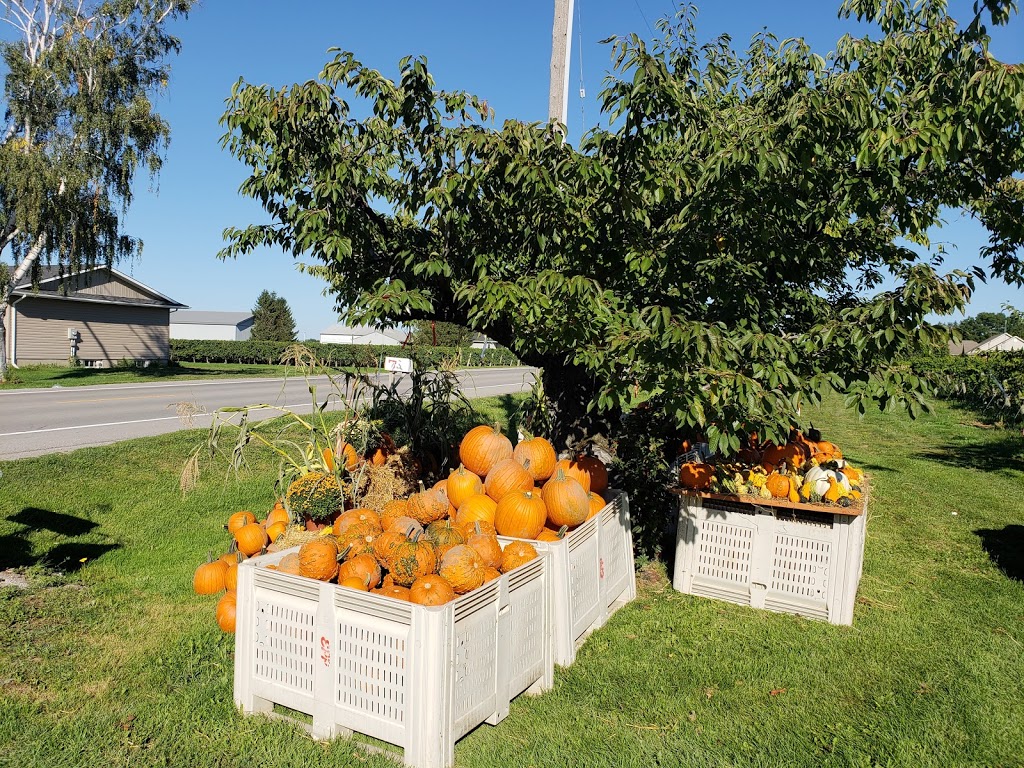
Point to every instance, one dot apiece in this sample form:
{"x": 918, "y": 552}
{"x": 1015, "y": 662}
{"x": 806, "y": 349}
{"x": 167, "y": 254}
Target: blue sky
{"x": 500, "y": 51}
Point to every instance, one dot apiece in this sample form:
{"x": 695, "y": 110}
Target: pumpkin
{"x": 341, "y": 448}
{"x": 226, "y": 611}
{"x": 405, "y": 526}
{"x": 490, "y": 574}
{"x": 597, "y": 503}
{"x": 251, "y": 538}
{"x": 411, "y": 559}
{"x": 393, "y": 509}
{"x": 276, "y": 530}
{"x": 354, "y": 582}
{"x": 821, "y": 480}
{"x": 238, "y": 520}
{"x": 696, "y": 476}
{"x": 462, "y": 484}
{"x": 486, "y": 545}
{"x": 537, "y": 456}
{"x": 209, "y": 577}
{"x": 361, "y": 544}
{"x": 520, "y": 514}
{"x": 749, "y": 456}
{"x": 232, "y": 555}
{"x": 826, "y": 452}
{"x": 362, "y": 567}
{"x": 278, "y": 515}
{"x": 596, "y": 469}
{"x": 444, "y": 535}
{"x": 476, "y": 508}
{"x": 379, "y": 455}
{"x": 566, "y": 501}
{"x": 462, "y": 567}
{"x": 794, "y": 455}
{"x": 289, "y": 563}
{"x": 779, "y": 485}
{"x": 507, "y": 476}
{"x": 356, "y": 521}
{"x": 427, "y": 505}
{"x": 550, "y": 534}
{"x": 392, "y": 590}
{"x": 318, "y": 559}
{"x": 483, "y": 447}
{"x": 574, "y": 470}
{"x": 385, "y": 544}
{"x": 431, "y": 589}
{"x": 515, "y": 554}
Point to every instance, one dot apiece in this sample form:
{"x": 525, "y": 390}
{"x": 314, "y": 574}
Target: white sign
{"x": 398, "y": 364}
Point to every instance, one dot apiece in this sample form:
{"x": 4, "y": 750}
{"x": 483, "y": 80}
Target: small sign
{"x": 398, "y": 364}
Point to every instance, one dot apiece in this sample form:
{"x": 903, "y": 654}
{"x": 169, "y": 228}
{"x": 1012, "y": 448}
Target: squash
{"x": 515, "y": 554}
{"x": 486, "y": 545}
{"x": 226, "y": 608}
{"x": 363, "y": 567}
{"x": 477, "y": 508}
{"x": 575, "y": 470}
{"x": 507, "y": 476}
{"x": 209, "y": 577}
{"x": 411, "y": 559}
{"x": 251, "y": 538}
{"x": 696, "y": 476}
{"x": 596, "y": 469}
{"x": 356, "y": 521}
{"x": 444, "y": 535}
{"x": 239, "y": 519}
{"x": 428, "y": 505}
{"x": 431, "y": 589}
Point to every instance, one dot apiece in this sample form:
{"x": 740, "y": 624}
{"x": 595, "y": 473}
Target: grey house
{"x": 101, "y": 315}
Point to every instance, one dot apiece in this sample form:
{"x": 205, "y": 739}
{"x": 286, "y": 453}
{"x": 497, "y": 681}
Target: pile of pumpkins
{"x": 249, "y": 538}
{"x": 441, "y": 542}
{"x": 805, "y": 470}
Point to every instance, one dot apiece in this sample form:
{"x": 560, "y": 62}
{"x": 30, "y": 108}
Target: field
{"x": 109, "y": 659}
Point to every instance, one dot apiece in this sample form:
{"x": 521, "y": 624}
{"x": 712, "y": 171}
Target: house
{"x": 483, "y": 343}
{"x": 1001, "y": 342}
{"x": 964, "y": 347}
{"x": 99, "y": 316}
{"x": 361, "y": 334}
{"x": 228, "y": 326}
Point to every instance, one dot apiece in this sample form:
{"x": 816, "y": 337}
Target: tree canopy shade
{"x": 272, "y": 319}
{"x": 719, "y": 242}
{"x": 80, "y": 123}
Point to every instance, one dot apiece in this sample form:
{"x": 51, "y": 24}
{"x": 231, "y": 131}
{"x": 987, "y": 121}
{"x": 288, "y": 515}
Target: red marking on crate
{"x": 602, "y": 567}
{"x": 325, "y": 648}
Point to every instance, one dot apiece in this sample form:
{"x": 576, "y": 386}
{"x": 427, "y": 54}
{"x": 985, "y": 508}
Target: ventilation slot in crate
{"x": 371, "y": 672}
{"x": 725, "y": 552}
{"x": 800, "y": 566}
{"x": 284, "y": 646}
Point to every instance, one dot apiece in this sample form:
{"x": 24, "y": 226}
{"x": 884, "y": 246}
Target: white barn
{"x": 361, "y": 334}
{"x": 223, "y": 326}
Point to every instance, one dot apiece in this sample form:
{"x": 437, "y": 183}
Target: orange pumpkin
{"x": 515, "y": 554}
{"x": 360, "y": 544}
{"x": 462, "y": 484}
{"x": 444, "y": 535}
{"x": 427, "y": 505}
{"x": 507, "y": 476}
{"x": 411, "y": 559}
{"x": 431, "y": 589}
{"x": 476, "y": 508}
{"x": 826, "y": 452}
{"x": 393, "y": 509}
{"x": 385, "y": 544}
{"x": 550, "y": 534}
{"x": 596, "y": 469}
{"x": 356, "y": 521}
{"x": 231, "y": 577}
{"x": 226, "y": 611}
{"x": 520, "y": 514}
{"x": 481, "y": 526}
{"x": 597, "y": 503}
{"x": 240, "y": 519}
{"x": 574, "y": 470}
{"x": 483, "y": 447}
{"x": 696, "y": 476}
{"x": 251, "y": 538}
{"x": 209, "y": 577}
{"x": 355, "y": 582}
{"x": 566, "y": 501}
{"x": 490, "y": 574}
{"x": 392, "y": 590}
{"x": 276, "y": 530}
{"x": 486, "y": 545}
{"x": 794, "y": 455}
{"x": 462, "y": 567}
{"x": 277, "y": 515}
{"x": 318, "y": 559}
{"x": 362, "y": 567}
{"x": 405, "y": 525}
{"x": 341, "y": 448}
{"x": 538, "y": 457}
{"x": 778, "y": 485}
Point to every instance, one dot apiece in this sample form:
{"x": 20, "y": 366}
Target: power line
{"x": 583, "y": 90}
{"x": 644, "y": 17}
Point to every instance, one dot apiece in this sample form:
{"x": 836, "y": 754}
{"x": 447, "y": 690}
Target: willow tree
{"x": 81, "y": 123}
{"x": 721, "y": 240}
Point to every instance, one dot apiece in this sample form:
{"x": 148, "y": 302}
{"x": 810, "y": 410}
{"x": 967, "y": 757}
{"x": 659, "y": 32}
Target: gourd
{"x": 427, "y": 505}
{"x": 411, "y": 559}
{"x": 486, "y": 545}
{"x": 444, "y": 535}
{"x": 392, "y": 510}
{"x": 362, "y": 567}
{"x": 549, "y": 534}
{"x": 290, "y": 564}
{"x": 515, "y": 554}
{"x": 318, "y": 559}
{"x": 462, "y": 567}
{"x": 537, "y": 456}
{"x": 431, "y": 589}
{"x": 357, "y": 521}
{"x": 821, "y": 479}
{"x": 483, "y": 447}
{"x": 392, "y": 590}
{"x": 520, "y": 514}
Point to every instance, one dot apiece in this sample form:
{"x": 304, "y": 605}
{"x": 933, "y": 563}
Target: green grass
{"x": 116, "y": 662}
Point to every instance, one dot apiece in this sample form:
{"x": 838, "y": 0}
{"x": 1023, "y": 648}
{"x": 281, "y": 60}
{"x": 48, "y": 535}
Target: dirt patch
{"x": 12, "y": 578}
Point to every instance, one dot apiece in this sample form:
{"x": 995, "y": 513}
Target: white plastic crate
{"x": 592, "y": 575}
{"x": 416, "y": 677}
{"x": 792, "y": 561}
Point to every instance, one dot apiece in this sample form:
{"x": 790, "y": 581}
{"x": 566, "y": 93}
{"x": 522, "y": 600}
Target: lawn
{"x": 113, "y": 661}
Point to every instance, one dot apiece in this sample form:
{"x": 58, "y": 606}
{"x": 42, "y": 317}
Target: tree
{"x": 434, "y": 334}
{"x": 80, "y": 124}
{"x": 272, "y": 319}
{"x": 717, "y": 244}
{"x": 985, "y": 325}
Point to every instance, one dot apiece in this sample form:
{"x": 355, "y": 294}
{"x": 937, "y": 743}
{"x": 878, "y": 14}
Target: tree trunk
{"x": 569, "y": 389}
{"x": 5, "y": 295}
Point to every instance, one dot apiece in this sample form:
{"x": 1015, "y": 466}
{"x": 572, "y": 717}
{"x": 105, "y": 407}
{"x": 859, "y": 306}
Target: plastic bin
{"x": 416, "y": 677}
{"x": 787, "y": 560}
{"x": 592, "y": 575}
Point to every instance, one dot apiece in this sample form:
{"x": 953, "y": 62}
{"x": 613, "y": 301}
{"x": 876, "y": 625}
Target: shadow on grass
{"x": 16, "y": 550}
{"x": 1005, "y": 548}
{"x": 1004, "y": 453}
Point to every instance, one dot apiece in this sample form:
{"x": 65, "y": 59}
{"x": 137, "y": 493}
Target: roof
{"x": 962, "y": 348}
{"x": 52, "y": 286}
{"x": 340, "y": 329}
{"x": 1000, "y": 341}
{"x": 202, "y": 317}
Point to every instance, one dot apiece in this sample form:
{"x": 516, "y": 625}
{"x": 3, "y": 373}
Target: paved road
{"x": 34, "y": 422}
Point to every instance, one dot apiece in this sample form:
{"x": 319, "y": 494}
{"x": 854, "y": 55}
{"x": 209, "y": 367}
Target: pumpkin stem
{"x": 344, "y": 554}
{"x": 476, "y": 527}
{"x": 562, "y": 531}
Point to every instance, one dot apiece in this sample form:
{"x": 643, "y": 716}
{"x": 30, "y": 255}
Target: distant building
{"x": 1001, "y": 342}
{"x": 483, "y": 343}
{"x": 225, "y": 326}
{"x": 964, "y": 347}
{"x": 361, "y": 334}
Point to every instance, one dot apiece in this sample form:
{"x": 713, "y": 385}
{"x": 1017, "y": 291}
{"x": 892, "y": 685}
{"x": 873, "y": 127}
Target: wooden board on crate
{"x": 833, "y": 509}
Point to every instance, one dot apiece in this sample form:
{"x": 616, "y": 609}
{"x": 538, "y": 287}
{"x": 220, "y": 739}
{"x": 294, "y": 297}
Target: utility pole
{"x": 561, "y": 54}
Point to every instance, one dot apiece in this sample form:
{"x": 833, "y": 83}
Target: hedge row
{"x": 992, "y": 383}
{"x": 336, "y": 355}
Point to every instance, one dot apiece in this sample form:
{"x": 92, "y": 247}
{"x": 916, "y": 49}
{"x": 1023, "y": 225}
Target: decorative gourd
{"x": 275, "y": 531}
{"x": 490, "y": 574}
{"x": 290, "y": 564}
{"x": 209, "y": 577}
{"x": 483, "y": 447}
{"x": 486, "y": 545}
{"x": 507, "y": 476}
{"x": 476, "y": 508}
{"x": 392, "y": 590}
{"x": 821, "y": 480}
{"x": 431, "y": 589}
{"x": 354, "y": 582}
{"x": 597, "y": 503}
{"x": 550, "y": 534}
{"x": 392, "y": 510}
{"x": 405, "y": 525}
{"x": 462, "y": 484}
{"x": 520, "y": 514}
{"x": 574, "y": 470}
{"x": 567, "y": 502}
{"x": 361, "y": 544}
{"x": 251, "y": 539}
{"x": 385, "y": 544}
{"x": 834, "y": 493}
{"x": 462, "y": 567}
{"x": 855, "y": 476}
{"x": 444, "y": 535}
{"x": 226, "y": 611}
{"x": 356, "y": 521}
{"x": 362, "y": 567}
{"x": 277, "y": 515}
{"x": 318, "y": 559}
{"x": 428, "y": 505}
{"x": 515, "y": 554}
{"x": 240, "y": 519}
{"x": 411, "y": 559}
{"x": 596, "y": 469}
{"x": 696, "y": 476}
{"x": 537, "y": 456}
